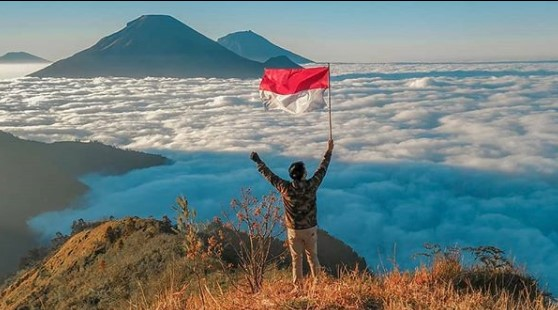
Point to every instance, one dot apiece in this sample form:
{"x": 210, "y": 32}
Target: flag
{"x": 294, "y": 90}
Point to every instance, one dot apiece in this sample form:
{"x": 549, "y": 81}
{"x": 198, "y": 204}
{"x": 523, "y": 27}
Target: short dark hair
{"x": 297, "y": 170}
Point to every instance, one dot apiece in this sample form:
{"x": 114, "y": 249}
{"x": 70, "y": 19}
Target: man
{"x": 299, "y": 198}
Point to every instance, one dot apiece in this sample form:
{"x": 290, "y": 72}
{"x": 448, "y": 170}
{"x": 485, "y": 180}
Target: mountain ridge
{"x": 39, "y": 177}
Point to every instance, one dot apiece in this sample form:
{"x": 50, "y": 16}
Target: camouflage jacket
{"x": 299, "y": 197}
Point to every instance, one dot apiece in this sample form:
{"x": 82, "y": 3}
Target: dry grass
{"x": 102, "y": 268}
{"x": 437, "y": 287}
{"x": 137, "y": 264}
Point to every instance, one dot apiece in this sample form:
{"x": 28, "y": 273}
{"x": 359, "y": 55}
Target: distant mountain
{"x": 39, "y": 177}
{"x": 155, "y": 45}
{"x": 255, "y": 47}
{"x": 21, "y": 57}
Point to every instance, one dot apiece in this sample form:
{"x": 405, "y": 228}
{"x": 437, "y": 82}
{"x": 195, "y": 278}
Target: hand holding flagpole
{"x": 329, "y": 99}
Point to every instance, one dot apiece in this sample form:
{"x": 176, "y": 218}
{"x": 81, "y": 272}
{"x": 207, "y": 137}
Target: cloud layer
{"x": 456, "y": 154}
{"x": 10, "y": 71}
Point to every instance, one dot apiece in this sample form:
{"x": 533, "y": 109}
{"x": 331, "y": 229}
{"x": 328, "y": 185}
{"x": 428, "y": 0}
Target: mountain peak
{"x": 21, "y": 57}
{"x": 253, "y": 46}
{"x": 158, "y": 17}
{"x": 154, "y": 19}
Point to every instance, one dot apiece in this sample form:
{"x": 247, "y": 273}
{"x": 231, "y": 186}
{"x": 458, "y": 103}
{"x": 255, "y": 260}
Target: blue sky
{"x": 322, "y": 31}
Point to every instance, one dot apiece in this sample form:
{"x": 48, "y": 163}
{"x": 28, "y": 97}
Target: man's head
{"x": 297, "y": 171}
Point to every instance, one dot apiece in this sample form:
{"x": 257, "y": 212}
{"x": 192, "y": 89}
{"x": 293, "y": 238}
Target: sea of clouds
{"x": 9, "y": 71}
{"x": 455, "y": 154}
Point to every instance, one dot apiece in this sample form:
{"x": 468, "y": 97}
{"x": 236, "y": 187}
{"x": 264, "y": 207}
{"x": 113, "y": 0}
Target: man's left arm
{"x": 320, "y": 173}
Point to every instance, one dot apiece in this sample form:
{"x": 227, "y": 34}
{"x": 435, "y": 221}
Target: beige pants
{"x": 303, "y": 241}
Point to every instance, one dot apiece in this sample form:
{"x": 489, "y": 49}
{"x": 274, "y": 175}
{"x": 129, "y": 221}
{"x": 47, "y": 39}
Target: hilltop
{"x": 110, "y": 264}
{"x": 21, "y": 58}
{"x": 253, "y": 46}
{"x": 100, "y": 266}
{"x": 144, "y": 264}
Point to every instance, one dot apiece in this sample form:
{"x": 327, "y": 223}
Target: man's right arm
{"x": 276, "y": 181}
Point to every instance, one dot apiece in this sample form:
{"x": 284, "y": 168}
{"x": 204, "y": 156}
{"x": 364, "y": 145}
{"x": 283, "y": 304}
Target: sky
{"x": 375, "y": 31}
{"x": 454, "y": 154}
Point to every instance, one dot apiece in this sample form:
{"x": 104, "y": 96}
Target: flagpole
{"x": 329, "y": 99}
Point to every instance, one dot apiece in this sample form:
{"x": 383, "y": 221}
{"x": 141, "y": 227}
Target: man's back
{"x": 299, "y": 198}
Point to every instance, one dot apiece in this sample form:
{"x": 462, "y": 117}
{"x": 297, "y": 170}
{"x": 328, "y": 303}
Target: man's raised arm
{"x": 320, "y": 173}
{"x": 276, "y": 181}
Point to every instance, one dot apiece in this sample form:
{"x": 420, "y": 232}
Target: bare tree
{"x": 254, "y": 224}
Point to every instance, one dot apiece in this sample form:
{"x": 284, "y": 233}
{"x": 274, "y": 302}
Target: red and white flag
{"x": 295, "y": 90}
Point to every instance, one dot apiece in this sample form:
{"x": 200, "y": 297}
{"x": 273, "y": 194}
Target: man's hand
{"x": 255, "y": 157}
{"x": 330, "y": 145}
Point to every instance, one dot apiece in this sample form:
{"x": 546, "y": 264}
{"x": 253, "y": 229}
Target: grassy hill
{"x": 112, "y": 264}
{"x": 143, "y": 264}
